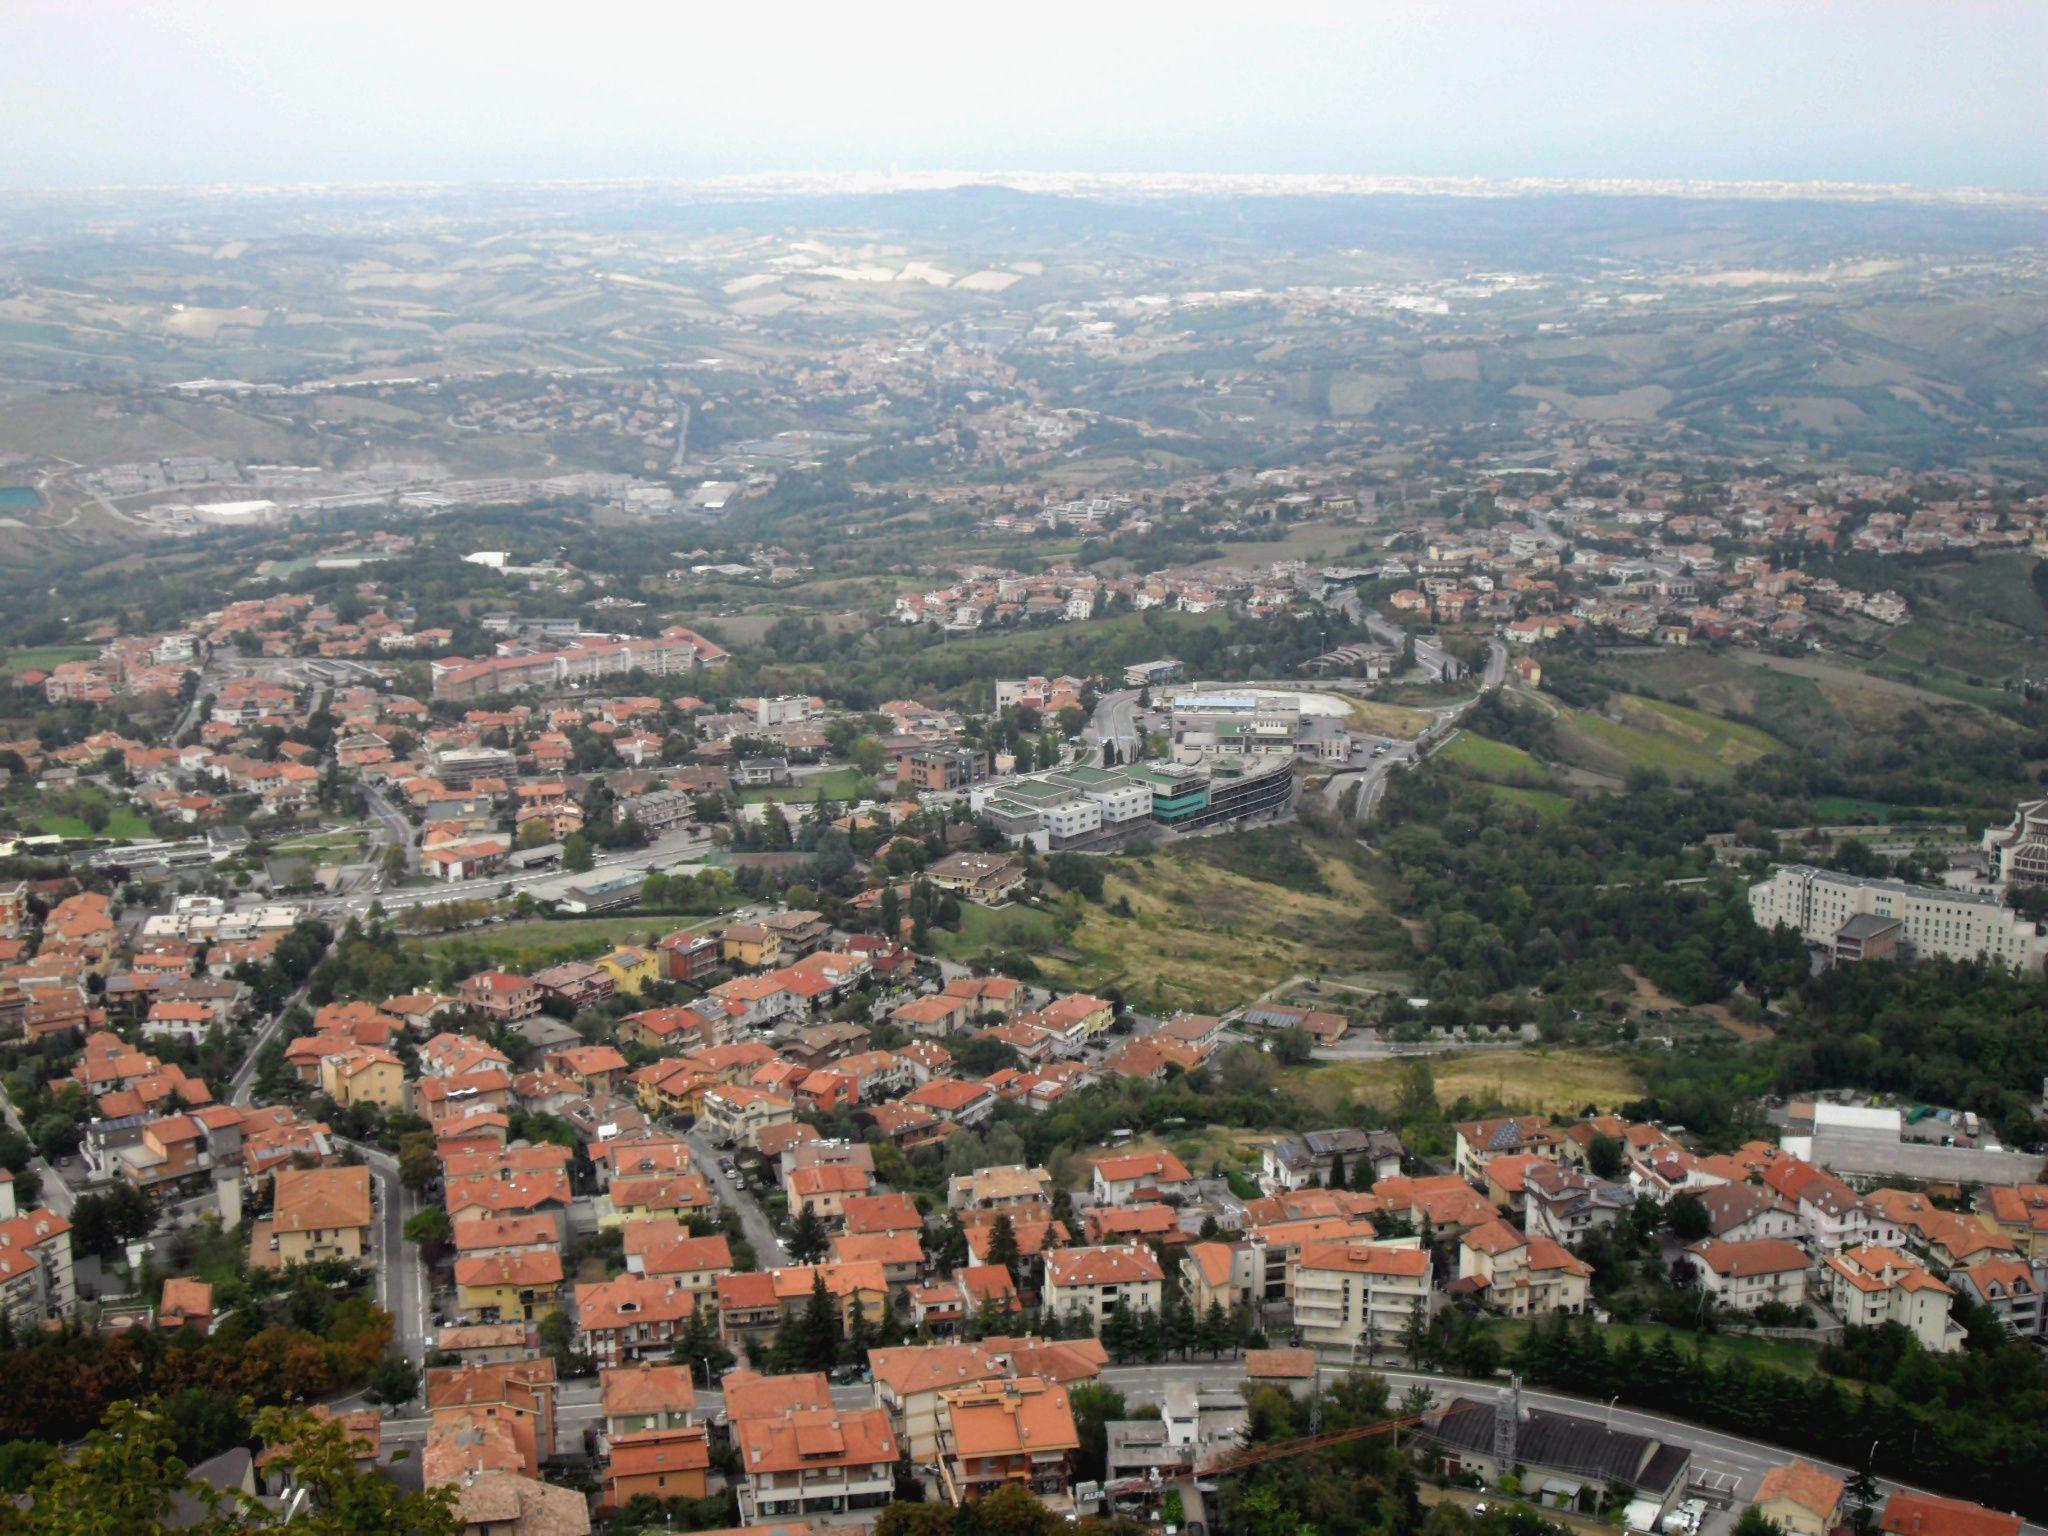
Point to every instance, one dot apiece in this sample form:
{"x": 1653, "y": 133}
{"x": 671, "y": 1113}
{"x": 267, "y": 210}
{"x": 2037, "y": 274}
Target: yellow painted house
{"x": 671, "y": 1088}
{"x": 364, "y": 1074}
{"x": 631, "y": 968}
{"x": 750, "y": 946}
{"x": 510, "y": 1287}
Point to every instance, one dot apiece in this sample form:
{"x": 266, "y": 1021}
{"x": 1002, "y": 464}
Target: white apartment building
{"x": 1868, "y": 1287}
{"x": 1749, "y": 1275}
{"x": 1359, "y": 1295}
{"x": 1095, "y": 1281}
{"x": 1958, "y": 925}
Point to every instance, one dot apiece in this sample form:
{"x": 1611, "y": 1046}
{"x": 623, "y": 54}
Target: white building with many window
{"x": 1958, "y": 925}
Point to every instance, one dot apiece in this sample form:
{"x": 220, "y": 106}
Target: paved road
{"x": 392, "y": 827}
{"x": 241, "y": 1085}
{"x": 401, "y": 1277}
{"x": 668, "y": 853}
{"x": 1116, "y": 719}
{"x": 768, "y": 1249}
{"x": 1373, "y": 777}
{"x": 57, "y": 1194}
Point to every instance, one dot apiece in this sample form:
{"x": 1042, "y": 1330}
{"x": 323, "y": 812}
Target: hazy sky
{"x": 137, "y": 91}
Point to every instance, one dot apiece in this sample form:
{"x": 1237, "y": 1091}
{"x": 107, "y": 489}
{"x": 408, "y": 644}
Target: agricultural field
{"x": 1531, "y": 1081}
{"x": 124, "y": 823}
{"x": 1671, "y": 738}
{"x": 1388, "y": 719}
{"x": 835, "y": 784}
{"x": 1495, "y": 761}
{"x": 1204, "y": 937}
{"x": 535, "y": 945}
{"x": 41, "y": 658}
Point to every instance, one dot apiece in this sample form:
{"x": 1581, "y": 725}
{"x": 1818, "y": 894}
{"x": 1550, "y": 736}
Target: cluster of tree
{"x": 1506, "y": 897}
{"x": 1974, "y": 1424}
{"x": 133, "y": 1473}
{"x": 643, "y": 1515}
{"x": 300, "y": 1346}
{"x": 1365, "y": 1487}
{"x": 366, "y": 960}
{"x": 1010, "y": 1511}
{"x": 1177, "y": 1331}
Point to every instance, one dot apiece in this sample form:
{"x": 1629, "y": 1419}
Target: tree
{"x": 1755, "y": 1522}
{"x": 128, "y": 1476}
{"x": 430, "y": 1228}
{"x": 1605, "y": 1158}
{"x": 951, "y": 1252}
{"x": 807, "y": 1239}
{"x": 576, "y": 853}
{"x": 1860, "y": 1493}
{"x": 1336, "y": 1179}
{"x": 1095, "y": 1408}
{"x": 1002, "y": 1244}
{"x": 698, "y": 1346}
{"x": 395, "y": 1380}
{"x": 1415, "y": 1335}
{"x": 1686, "y": 1218}
{"x": 102, "y": 1223}
{"x": 810, "y": 1341}
{"x": 418, "y": 1163}
{"x": 344, "y": 1499}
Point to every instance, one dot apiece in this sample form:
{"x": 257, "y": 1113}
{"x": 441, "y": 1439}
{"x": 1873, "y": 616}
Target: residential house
{"x": 814, "y": 1462}
{"x": 316, "y": 1213}
{"x": 1800, "y": 1499}
{"x": 1868, "y": 1287}
{"x": 1358, "y": 1296}
{"x": 1095, "y": 1281}
{"x": 501, "y": 996}
{"x": 1003, "y": 1432}
{"x": 1749, "y": 1275}
{"x": 631, "y": 1317}
{"x": 735, "y": 1114}
{"x": 1565, "y": 1204}
{"x": 1521, "y": 1275}
{"x": 1141, "y": 1176}
{"x": 2011, "y": 1289}
{"x": 506, "y": 1287}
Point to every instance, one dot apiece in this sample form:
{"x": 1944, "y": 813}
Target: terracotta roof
{"x": 1160, "y": 1167}
{"x": 1802, "y": 1483}
{"x": 648, "y": 1389}
{"x": 1280, "y": 1364}
{"x": 1006, "y": 1418}
{"x": 749, "y": 1394}
{"x": 929, "y": 1367}
{"x": 522, "y": 1269}
{"x": 1763, "y": 1256}
{"x": 318, "y": 1199}
{"x": 806, "y": 1439}
{"x": 1927, "y": 1514}
{"x": 1365, "y": 1259}
{"x": 1101, "y": 1266}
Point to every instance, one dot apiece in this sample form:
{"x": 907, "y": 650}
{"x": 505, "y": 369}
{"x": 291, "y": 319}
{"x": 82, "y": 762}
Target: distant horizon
{"x": 1093, "y": 182}
{"x": 106, "y": 94}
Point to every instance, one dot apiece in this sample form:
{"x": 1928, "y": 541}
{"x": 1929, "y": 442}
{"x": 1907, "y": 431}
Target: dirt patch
{"x": 1650, "y": 996}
